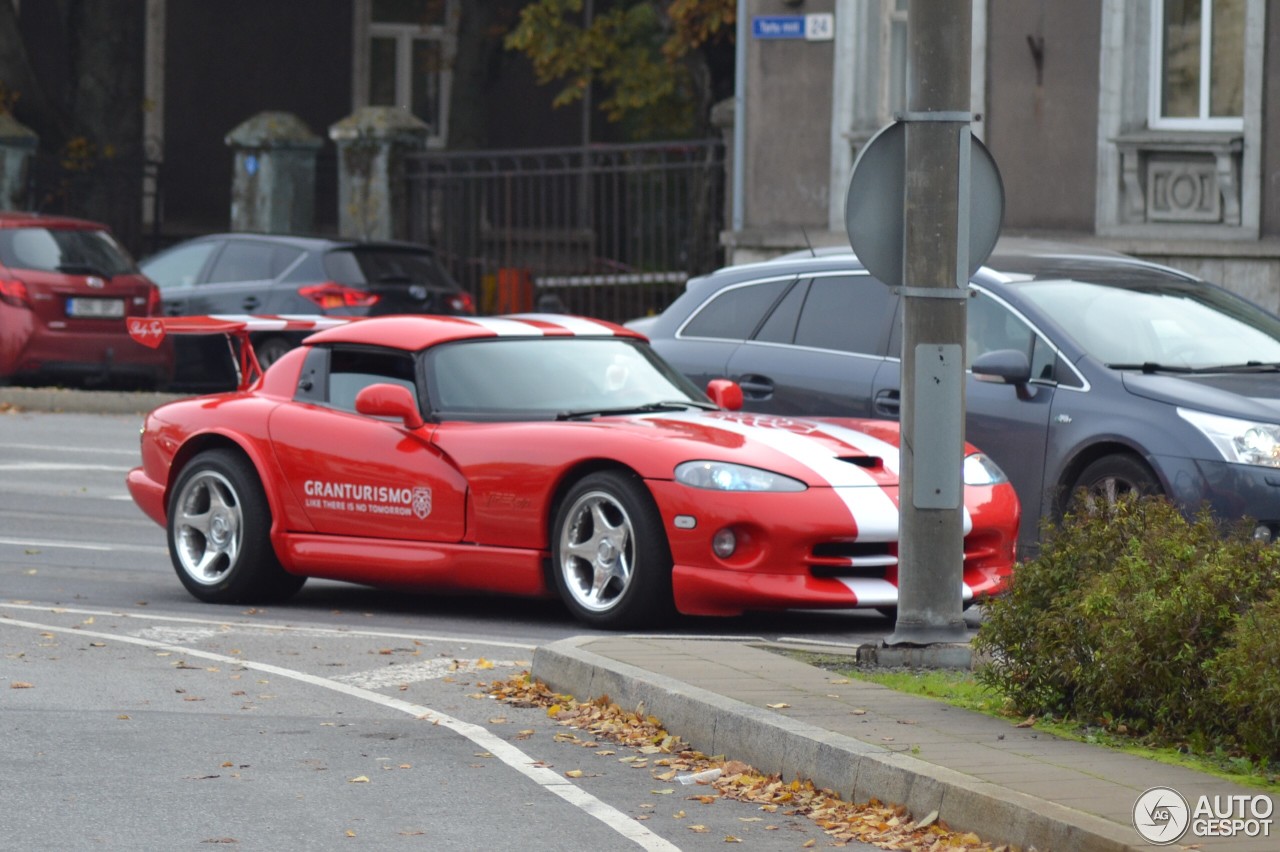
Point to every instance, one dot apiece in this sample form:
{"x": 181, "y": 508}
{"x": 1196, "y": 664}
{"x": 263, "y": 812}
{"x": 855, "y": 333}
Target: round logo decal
{"x": 1161, "y": 815}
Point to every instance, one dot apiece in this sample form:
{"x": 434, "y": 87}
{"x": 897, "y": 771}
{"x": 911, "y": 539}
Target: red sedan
{"x": 66, "y": 289}
{"x": 531, "y": 455}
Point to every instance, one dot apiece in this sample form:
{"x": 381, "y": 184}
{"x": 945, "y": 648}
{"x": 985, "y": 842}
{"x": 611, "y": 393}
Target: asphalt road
{"x": 136, "y": 717}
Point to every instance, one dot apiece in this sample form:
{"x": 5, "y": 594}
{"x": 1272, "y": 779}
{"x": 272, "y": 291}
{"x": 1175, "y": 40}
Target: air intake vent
{"x": 863, "y": 461}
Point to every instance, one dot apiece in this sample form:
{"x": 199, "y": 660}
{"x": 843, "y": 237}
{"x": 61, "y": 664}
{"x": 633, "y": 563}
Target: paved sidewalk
{"x": 1007, "y": 784}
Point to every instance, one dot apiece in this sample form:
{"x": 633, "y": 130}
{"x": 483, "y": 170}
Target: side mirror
{"x": 1002, "y": 366}
{"x": 388, "y": 400}
{"x": 726, "y": 394}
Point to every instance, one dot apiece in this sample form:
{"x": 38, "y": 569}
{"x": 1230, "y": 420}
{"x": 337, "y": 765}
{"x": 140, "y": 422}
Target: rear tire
{"x": 610, "y": 557}
{"x": 219, "y": 533}
{"x": 271, "y": 350}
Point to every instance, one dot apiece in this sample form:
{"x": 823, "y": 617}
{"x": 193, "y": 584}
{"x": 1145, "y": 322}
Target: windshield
{"x": 73, "y": 251}
{"x": 1179, "y": 324}
{"x": 547, "y": 376}
{"x": 385, "y": 265}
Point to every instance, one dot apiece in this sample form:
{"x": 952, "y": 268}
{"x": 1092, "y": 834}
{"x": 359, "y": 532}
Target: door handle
{"x": 756, "y": 387}
{"x": 250, "y": 302}
{"x": 888, "y": 403}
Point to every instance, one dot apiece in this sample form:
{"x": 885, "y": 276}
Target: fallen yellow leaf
{"x": 574, "y": 773}
{"x": 779, "y": 706}
{"x": 359, "y": 779}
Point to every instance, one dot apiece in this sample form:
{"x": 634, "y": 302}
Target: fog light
{"x": 1263, "y": 533}
{"x": 724, "y": 543}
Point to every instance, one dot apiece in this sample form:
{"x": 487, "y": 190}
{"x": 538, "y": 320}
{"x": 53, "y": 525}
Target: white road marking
{"x": 550, "y": 781}
{"x": 417, "y": 672}
{"x": 51, "y": 466}
{"x": 72, "y": 545}
{"x": 223, "y": 625}
{"x": 63, "y": 450}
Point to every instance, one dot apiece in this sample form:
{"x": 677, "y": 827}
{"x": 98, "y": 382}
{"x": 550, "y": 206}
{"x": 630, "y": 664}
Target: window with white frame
{"x": 410, "y": 46}
{"x": 1198, "y": 62}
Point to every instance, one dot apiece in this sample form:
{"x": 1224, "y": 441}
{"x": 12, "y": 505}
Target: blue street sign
{"x": 778, "y": 26}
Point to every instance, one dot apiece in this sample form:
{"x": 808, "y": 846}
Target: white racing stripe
{"x": 881, "y": 449}
{"x": 872, "y": 592}
{"x": 873, "y": 512}
{"x": 506, "y": 327}
{"x": 549, "y": 780}
{"x": 577, "y": 325}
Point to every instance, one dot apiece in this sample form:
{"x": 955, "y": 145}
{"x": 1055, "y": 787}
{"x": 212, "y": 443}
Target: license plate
{"x": 95, "y": 308}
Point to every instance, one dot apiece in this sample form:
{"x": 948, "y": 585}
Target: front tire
{"x": 219, "y": 525}
{"x": 610, "y": 557}
{"x": 1111, "y": 479}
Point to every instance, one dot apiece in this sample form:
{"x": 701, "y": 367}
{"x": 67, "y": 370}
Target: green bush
{"x": 1122, "y": 619}
{"x": 1245, "y": 682}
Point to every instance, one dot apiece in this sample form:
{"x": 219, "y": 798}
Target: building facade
{"x": 1135, "y": 125}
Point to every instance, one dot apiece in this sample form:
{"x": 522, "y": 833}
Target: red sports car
{"x": 534, "y": 455}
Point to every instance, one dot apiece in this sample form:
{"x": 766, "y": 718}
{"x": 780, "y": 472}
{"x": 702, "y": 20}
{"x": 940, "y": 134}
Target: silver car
{"x": 1091, "y": 371}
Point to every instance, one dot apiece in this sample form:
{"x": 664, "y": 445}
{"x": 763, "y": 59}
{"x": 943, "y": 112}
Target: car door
{"x": 238, "y": 280}
{"x": 360, "y": 476}
{"x": 820, "y": 349}
{"x": 177, "y": 271}
{"x": 1011, "y": 423}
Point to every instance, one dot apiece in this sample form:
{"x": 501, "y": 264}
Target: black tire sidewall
{"x": 647, "y": 599}
{"x": 257, "y": 573}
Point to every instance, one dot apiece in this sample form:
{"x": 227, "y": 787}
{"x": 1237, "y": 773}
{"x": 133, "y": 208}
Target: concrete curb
{"x": 855, "y": 770}
{"x": 82, "y": 401}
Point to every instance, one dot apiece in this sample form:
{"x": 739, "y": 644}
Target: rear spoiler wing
{"x": 151, "y": 332}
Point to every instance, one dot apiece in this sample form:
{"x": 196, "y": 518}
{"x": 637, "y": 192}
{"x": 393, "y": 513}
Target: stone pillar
{"x": 273, "y": 187}
{"x": 372, "y": 198}
{"x": 17, "y": 146}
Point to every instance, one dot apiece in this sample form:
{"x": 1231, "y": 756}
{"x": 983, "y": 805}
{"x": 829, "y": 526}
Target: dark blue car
{"x": 1092, "y": 371}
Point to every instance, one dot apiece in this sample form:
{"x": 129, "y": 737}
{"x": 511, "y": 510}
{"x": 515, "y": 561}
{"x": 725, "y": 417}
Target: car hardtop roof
{"x": 414, "y": 332}
{"x": 18, "y": 219}
{"x": 316, "y": 243}
{"x": 1025, "y": 253}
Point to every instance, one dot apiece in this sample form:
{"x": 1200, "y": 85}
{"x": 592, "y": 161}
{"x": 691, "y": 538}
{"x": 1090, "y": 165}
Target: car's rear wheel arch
{"x": 203, "y": 443}
{"x": 219, "y": 530}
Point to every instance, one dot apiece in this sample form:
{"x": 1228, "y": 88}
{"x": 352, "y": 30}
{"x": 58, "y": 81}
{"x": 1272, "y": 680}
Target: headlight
{"x": 980, "y": 470}
{"x": 723, "y": 476}
{"x": 1240, "y": 441}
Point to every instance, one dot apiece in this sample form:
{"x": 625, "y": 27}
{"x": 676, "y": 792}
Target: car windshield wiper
{"x": 666, "y": 405}
{"x": 1246, "y": 367}
{"x": 82, "y": 269}
{"x": 1153, "y": 367}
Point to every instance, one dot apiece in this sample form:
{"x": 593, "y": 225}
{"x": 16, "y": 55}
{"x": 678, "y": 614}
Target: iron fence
{"x": 609, "y": 231}
{"x": 123, "y": 192}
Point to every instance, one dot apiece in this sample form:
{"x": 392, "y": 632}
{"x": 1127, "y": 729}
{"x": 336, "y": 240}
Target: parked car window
{"x": 780, "y": 327}
{"x": 73, "y": 251}
{"x": 993, "y": 326}
{"x": 353, "y": 370}
{"x": 180, "y": 267}
{"x": 245, "y": 261}
{"x": 735, "y": 312}
{"x": 846, "y": 313}
{"x": 383, "y": 266}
